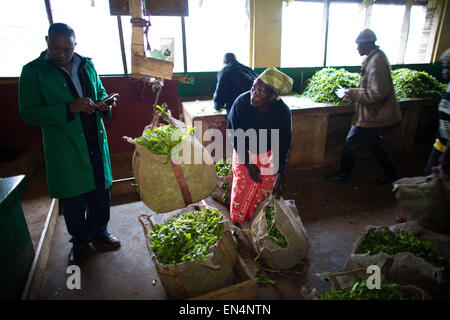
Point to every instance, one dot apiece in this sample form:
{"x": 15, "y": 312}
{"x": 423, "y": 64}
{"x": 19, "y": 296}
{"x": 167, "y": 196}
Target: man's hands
{"x": 104, "y": 107}
{"x": 86, "y": 105}
{"x": 82, "y": 105}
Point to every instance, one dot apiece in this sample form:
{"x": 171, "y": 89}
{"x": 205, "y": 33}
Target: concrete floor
{"x": 333, "y": 214}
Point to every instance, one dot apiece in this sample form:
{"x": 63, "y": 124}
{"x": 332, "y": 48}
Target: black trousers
{"x": 358, "y": 137}
{"x": 87, "y": 215}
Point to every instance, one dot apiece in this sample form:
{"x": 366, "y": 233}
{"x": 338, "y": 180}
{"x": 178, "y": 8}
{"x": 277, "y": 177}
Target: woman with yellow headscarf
{"x": 260, "y": 129}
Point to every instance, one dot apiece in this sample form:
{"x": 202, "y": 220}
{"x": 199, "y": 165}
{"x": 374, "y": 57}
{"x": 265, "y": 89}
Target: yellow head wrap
{"x": 280, "y": 83}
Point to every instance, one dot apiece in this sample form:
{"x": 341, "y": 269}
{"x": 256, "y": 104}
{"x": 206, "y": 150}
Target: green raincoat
{"x": 43, "y": 95}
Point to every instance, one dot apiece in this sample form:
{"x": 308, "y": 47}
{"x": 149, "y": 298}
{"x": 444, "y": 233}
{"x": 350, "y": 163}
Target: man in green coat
{"x": 61, "y": 92}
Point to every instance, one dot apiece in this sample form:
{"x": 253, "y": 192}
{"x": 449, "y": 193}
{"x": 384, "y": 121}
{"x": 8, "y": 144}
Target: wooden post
{"x": 405, "y": 31}
{"x": 141, "y": 65}
{"x": 137, "y": 32}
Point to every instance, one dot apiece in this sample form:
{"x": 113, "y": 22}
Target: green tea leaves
{"x": 223, "y": 167}
{"x": 324, "y": 83}
{"x": 186, "y": 237}
{"x": 416, "y": 84}
{"x": 359, "y": 291}
{"x": 274, "y": 234}
{"x": 407, "y": 84}
{"x": 384, "y": 240}
{"x": 163, "y": 139}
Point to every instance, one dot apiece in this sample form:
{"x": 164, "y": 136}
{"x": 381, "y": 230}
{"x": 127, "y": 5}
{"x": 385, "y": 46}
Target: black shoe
{"x": 77, "y": 256}
{"x": 336, "y": 178}
{"x": 109, "y": 242}
{"x": 386, "y": 178}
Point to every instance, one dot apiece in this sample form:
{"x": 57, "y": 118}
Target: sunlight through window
{"x": 301, "y": 35}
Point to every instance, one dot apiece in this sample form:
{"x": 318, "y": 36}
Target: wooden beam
{"x": 122, "y": 45}
{"x": 36, "y": 275}
{"x": 405, "y": 32}
{"x": 151, "y": 67}
{"x": 183, "y": 35}
{"x": 137, "y": 32}
{"x": 368, "y": 17}
{"x": 48, "y": 8}
{"x": 267, "y": 33}
{"x": 326, "y": 19}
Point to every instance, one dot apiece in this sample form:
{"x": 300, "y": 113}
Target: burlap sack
{"x": 342, "y": 280}
{"x": 425, "y": 199}
{"x": 191, "y": 279}
{"x": 160, "y": 188}
{"x": 288, "y": 222}
{"x": 403, "y": 268}
{"x": 219, "y": 192}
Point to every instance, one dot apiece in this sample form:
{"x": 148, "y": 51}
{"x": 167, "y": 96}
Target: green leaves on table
{"x": 324, "y": 83}
{"x": 359, "y": 291}
{"x": 186, "y": 237}
{"x": 274, "y": 234}
{"x": 408, "y": 83}
{"x": 416, "y": 84}
{"x": 384, "y": 240}
{"x": 163, "y": 139}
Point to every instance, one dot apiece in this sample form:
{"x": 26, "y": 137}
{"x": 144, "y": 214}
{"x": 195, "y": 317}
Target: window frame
{"x": 368, "y": 12}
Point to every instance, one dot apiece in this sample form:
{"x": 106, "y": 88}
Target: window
{"x": 22, "y": 37}
{"x": 210, "y": 33}
{"x": 415, "y": 50}
{"x": 213, "y": 28}
{"x": 345, "y": 23}
{"x": 304, "y": 25}
{"x": 386, "y": 22}
{"x": 161, "y": 27}
{"x": 301, "y": 35}
{"x": 96, "y": 32}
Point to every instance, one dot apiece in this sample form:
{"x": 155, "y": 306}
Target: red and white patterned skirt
{"x": 246, "y": 194}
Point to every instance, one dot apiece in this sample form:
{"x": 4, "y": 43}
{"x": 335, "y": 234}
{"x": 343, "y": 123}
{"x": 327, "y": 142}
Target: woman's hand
{"x": 254, "y": 172}
{"x": 277, "y": 186}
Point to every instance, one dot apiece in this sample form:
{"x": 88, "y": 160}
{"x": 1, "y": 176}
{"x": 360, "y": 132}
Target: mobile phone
{"x": 111, "y": 99}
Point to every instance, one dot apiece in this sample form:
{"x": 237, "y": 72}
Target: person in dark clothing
{"x": 444, "y": 118}
{"x": 232, "y": 80}
{"x": 260, "y": 129}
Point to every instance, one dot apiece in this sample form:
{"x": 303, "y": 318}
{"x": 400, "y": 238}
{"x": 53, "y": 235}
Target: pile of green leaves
{"x": 416, "y": 84}
{"x": 324, "y": 83}
{"x": 359, "y": 291}
{"x": 186, "y": 237}
{"x": 274, "y": 234}
{"x": 384, "y": 240}
{"x": 226, "y": 194}
{"x": 163, "y": 139}
{"x": 407, "y": 84}
{"x": 223, "y": 167}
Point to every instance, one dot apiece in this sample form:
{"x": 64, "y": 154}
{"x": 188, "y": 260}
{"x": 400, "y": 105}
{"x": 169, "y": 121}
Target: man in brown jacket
{"x": 376, "y": 106}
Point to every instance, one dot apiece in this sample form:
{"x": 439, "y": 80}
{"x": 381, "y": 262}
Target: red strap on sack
{"x": 180, "y": 178}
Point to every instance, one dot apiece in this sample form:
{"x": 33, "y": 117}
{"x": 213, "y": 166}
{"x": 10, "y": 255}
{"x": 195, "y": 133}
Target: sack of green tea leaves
{"x": 192, "y": 249}
{"x": 224, "y": 181}
{"x": 356, "y": 285}
{"x": 278, "y": 235}
{"x": 171, "y": 167}
{"x": 404, "y": 257}
{"x": 425, "y": 199}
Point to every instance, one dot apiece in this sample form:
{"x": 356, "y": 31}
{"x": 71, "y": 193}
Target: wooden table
{"x": 311, "y": 126}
